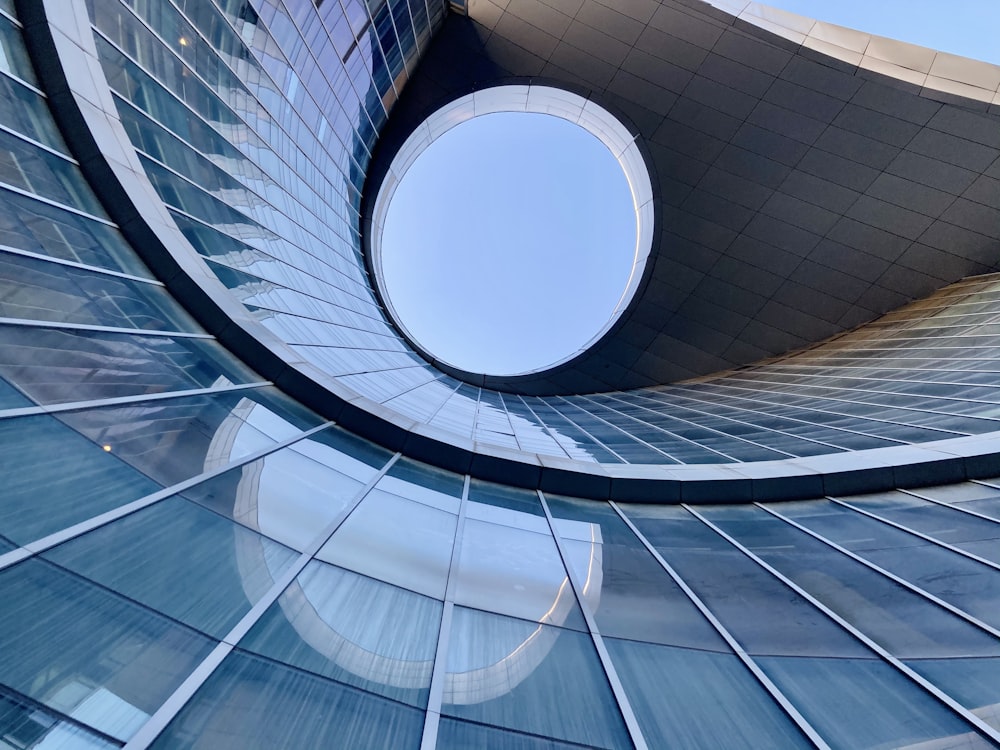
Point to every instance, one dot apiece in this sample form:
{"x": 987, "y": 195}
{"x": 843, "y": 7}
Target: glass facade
{"x": 189, "y": 557}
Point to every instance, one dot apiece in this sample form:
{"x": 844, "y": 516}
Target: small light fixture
{"x": 183, "y": 41}
{"x": 107, "y": 448}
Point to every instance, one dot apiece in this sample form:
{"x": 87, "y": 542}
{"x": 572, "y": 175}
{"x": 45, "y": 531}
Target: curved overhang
{"x": 945, "y": 134}
{"x": 809, "y": 177}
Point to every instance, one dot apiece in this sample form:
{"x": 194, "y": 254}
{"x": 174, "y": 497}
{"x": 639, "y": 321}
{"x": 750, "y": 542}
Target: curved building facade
{"x": 242, "y": 510}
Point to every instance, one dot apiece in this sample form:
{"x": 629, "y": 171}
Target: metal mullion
{"x": 31, "y": 323}
{"x": 779, "y": 697}
{"x": 435, "y": 697}
{"x": 24, "y": 411}
{"x": 956, "y": 708}
{"x": 71, "y": 532}
{"x": 617, "y": 689}
{"x": 882, "y": 571}
{"x": 921, "y": 535}
{"x": 169, "y": 709}
{"x": 7, "y": 249}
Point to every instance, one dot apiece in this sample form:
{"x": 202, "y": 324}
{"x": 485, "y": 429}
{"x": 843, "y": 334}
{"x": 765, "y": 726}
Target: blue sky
{"x": 970, "y": 28}
{"x": 510, "y": 239}
{"x": 508, "y": 242}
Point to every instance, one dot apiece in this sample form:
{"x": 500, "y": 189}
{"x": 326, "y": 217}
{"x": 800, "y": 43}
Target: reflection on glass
{"x": 866, "y": 703}
{"x": 254, "y": 702}
{"x": 27, "y": 727}
{"x": 628, "y": 590}
{"x": 534, "y": 678}
{"x": 54, "y": 478}
{"x": 690, "y": 698}
{"x": 354, "y": 630}
{"x": 88, "y": 653}
{"x": 182, "y": 560}
{"x": 293, "y": 494}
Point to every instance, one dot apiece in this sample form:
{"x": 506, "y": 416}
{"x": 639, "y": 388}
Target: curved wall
{"x": 190, "y": 558}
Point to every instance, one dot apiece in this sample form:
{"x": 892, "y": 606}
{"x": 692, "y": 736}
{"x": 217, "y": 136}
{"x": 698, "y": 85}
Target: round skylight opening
{"x": 512, "y": 230}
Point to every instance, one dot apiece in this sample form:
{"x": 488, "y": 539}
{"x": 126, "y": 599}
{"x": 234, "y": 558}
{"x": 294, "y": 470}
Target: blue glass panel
{"x": 531, "y": 678}
{"x": 90, "y": 654}
{"x": 689, "y": 698}
{"x": 253, "y": 702}
{"x": 631, "y": 594}
{"x": 92, "y": 365}
{"x": 24, "y": 725}
{"x": 760, "y": 611}
{"x": 173, "y": 439}
{"x": 182, "y": 560}
{"x": 862, "y": 703}
{"x": 34, "y": 289}
{"x": 54, "y": 478}
{"x": 355, "y": 630}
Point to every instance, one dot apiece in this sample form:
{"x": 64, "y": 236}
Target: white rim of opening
{"x": 532, "y": 99}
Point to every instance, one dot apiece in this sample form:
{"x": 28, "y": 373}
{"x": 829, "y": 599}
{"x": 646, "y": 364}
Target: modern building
{"x": 240, "y": 508}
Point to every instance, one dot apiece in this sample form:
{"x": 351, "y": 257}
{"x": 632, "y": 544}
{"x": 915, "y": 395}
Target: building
{"x": 241, "y": 511}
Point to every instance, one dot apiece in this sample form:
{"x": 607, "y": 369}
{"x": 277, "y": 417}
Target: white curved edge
{"x": 920, "y": 66}
{"x": 534, "y": 99}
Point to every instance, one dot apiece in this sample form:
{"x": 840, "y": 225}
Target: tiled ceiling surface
{"x": 799, "y": 196}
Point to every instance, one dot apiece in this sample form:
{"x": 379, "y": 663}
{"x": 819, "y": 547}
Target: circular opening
{"x": 512, "y": 230}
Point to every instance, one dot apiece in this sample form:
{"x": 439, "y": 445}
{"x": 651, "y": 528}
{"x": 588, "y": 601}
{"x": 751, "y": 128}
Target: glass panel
{"x": 965, "y": 583}
{"x": 47, "y": 230}
{"x": 462, "y": 735}
{"x": 975, "y": 683}
{"x": 967, "y": 532}
{"x": 32, "y": 169}
{"x": 13, "y": 56}
{"x": 173, "y": 439}
{"x": 88, "y": 653}
{"x": 11, "y": 398}
{"x": 532, "y": 678}
{"x": 509, "y": 570}
{"x": 39, "y": 290}
{"x": 860, "y": 703}
{"x": 54, "y": 478}
{"x": 508, "y": 561}
{"x": 251, "y": 702}
{"x": 762, "y": 613}
{"x": 689, "y": 698}
{"x": 92, "y": 365}
{"x": 26, "y": 112}
{"x": 182, "y": 560}
{"x": 397, "y": 540}
{"x": 903, "y": 622}
{"x": 294, "y": 494}
{"x": 355, "y": 630}
{"x": 23, "y": 725}
{"x": 630, "y": 593}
